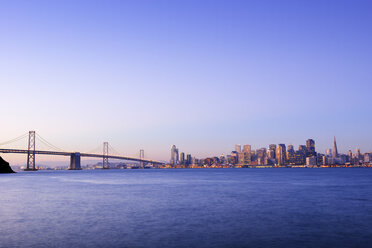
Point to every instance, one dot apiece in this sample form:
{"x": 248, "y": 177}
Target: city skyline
{"x": 204, "y": 75}
{"x": 275, "y": 155}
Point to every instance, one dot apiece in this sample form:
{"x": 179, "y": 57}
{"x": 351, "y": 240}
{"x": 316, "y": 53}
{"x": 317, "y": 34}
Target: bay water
{"x": 327, "y": 207}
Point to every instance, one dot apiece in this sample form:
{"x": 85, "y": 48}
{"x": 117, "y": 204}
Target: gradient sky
{"x": 203, "y": 75}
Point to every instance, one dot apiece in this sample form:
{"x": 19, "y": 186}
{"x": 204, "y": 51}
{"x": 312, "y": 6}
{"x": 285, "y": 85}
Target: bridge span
{"x": 75, "y": 157}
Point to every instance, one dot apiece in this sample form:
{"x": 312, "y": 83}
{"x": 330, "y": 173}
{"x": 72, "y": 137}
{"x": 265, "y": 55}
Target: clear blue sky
{"x": 203, "y": 75}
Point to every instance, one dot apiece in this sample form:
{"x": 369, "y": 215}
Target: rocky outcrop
{"x": 4, "y": 166}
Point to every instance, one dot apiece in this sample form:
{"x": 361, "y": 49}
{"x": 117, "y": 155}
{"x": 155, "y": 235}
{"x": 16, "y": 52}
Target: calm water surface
{"x": 187, "y": 208}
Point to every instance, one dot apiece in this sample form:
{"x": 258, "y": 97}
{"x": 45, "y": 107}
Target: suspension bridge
{"x": 75, "y": 157}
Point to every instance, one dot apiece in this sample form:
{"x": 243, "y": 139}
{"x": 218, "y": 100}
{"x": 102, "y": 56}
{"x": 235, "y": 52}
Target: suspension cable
{"x": 98, "y": 148}
{"x": 114, "y": 150}
{"x": 14, "y": 140}
{"x": 45, "y": 142}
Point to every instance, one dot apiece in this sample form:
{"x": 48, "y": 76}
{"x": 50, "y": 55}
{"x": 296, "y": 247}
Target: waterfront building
{"x": 291, "y": 155}
{"x": 296, "y": 157}
{"x": 272, "y": 149}
{"x": 234, "y": 157}
{"x": 174, "y": 155}
{"x": 222, "y": 159}
{"x": 367, "y": 158}
{"x": 241, "y": 158}
{"x": 188, "y": 159}
{"x": 182, "y": 158}
{"x": 310, "y": 148}
{"x": 261, "y": 156}
{"x": 334, "y": 149}
{"x": 342, "y": 159}
{"x": 281, "y": 154}
{"x": 311, "y": 161}
{"x": 271, "y": 154}
{"x": 231, "y": 159}
{"x": 300, "y": 158}
{"x": 247, "y": 154}
{"x": 194, "y": 161}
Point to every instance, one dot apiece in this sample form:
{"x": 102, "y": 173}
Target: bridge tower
{"x": 75, "y": 161}
{"x": 142, "y": 156}
{"x": 31, "y": 152}
{"x": 105, "y": 164}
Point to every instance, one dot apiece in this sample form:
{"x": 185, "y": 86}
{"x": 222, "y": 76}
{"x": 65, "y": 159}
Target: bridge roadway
{"x": 75, "y": 156}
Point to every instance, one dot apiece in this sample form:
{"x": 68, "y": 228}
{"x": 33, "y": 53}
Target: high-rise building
{"x": 247, "y": 154}
{"x": 302, "y": 149}
{"x": 222, "y": 159}
{"x": 367, "y": 158}
{"x": 247, "y": 148}
{"x": 233, "y": 157}
{"x": 290, "y": 148}
{"x": 272, "y": 147}
{"x": 329, "y": 152}
{"x": 334, "y": 149}
{"x": 357, "y": 154}
{"x": 193, "y": 161}
{"x": 281, "y": 154}
{"x": 271, "y": 152}
{"x": 174, "y": 155}
{"x": 311, "y": 161}
{"x": 349, "y": 156}
{"x": 238, "y": 148}
{"x": 300, "y": 158}
{"x": 188, "y": 159}
{"x": 290, "y": 154}
{"x": 182, "y": 158}
{"x": 310, "y": 148}
{"x": 296, "y": 157}
{"x": 261, "y": 156}
{"x": 241, "y": 158}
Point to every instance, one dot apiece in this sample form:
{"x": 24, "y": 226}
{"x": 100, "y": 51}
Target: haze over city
{"x": 204, "y": 75}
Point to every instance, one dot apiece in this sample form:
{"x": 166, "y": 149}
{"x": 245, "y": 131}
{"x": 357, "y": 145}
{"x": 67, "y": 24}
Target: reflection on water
{"x": 187, "y": 208}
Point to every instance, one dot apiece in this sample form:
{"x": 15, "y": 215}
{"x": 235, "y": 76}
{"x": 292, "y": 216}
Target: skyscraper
{"x": 329, "y": 152}
{"x": 238, "y": 148}
{"x": 182, "y": 158}
{"x": 357, "y": 153}
{"x": 350, "y": 155}
{"x": 174, "y": 155}
{"x": 247, "y": 148}
{"x": 310, "y": 148}
{"x": 290, "y": 154}
{"x": 303, "y": 149}
{"x": 247, "y": 154}
{"x": 261, "y": 156}
{"x": 272, "y": 151}
{"x": 290, "y": 148}
{"x": 188, "y": 159}
{"x": 334, "y": 149}
{"x": 281, "y": 154}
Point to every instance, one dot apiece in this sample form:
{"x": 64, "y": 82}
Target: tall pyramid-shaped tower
{"x": 334, "y": 150}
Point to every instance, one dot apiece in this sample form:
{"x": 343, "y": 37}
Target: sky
{"x": 203, "y": 75}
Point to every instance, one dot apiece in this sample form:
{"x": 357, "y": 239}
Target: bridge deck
{"x": 91, "y": 155}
